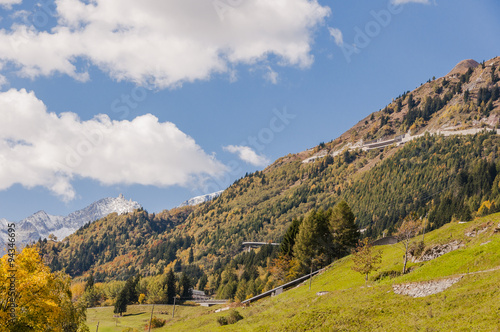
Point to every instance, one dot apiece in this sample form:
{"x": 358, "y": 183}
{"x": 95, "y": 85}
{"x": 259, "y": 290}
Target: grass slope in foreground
{"x": 472, "y": 304}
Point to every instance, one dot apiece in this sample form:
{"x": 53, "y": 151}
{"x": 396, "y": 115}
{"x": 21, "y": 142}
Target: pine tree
{"x": 131, "y": 289}
{"x": 90, "y": 282}
{"x": 121, "y": 302}
{"x": 185, "y": 284}
{"x": 241, "y": 291}
{"x": 286, "y": 247}
{"x": 203, "y": 282}
{"x": 169, "y": 287}
{"x": 466, "y": 95}
{"x": 191, "y": 256}
{"x": 313, "y": 240}
{"x": 344, "y": 231}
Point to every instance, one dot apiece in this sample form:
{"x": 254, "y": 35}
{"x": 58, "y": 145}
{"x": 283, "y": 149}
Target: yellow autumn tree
{"x": 34, "y": 299}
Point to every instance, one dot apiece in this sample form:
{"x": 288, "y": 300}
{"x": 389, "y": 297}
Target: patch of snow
{"x": 201, "y": 199}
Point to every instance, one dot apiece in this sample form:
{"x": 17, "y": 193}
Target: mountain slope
{"x": 41, "y": 224}
{"x": 439, "y": 177}
{"x": 339, "y": 299}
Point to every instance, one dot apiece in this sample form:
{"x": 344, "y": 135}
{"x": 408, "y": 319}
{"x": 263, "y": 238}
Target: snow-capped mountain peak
{"x": 41, "y": 224}
{"x": 201, "y": 199}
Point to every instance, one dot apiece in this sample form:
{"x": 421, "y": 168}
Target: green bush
{"x": 386, "y": 274}
{"x": 233, "y": 317}
{"x": 157, "y": 322}
{"x": 222, "y": 320}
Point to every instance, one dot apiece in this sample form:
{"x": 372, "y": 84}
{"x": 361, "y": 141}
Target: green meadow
{"x": 350, "y": 304}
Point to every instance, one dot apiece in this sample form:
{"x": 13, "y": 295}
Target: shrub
{"x": 416, "y": 249}
{"x": 233, "y": 317}
{"x": 386, "y": 274}
{"x": 222, "y": 320}
{"x": 157, "y": 322}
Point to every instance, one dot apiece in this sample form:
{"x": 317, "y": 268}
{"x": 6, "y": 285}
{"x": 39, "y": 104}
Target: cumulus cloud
{"x": 247, "y": 154}
{"x": 271, "y": 76}
{"x": 337, "y": 36}
{"x": 9, "y": 3}
{"x": 164, "y": 43}
{"x": 38, "y": 148}
{"x": 403, "y": 2}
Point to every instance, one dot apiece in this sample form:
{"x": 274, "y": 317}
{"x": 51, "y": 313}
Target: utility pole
{"x": 151, "y": 318}
{"x": 173, "y": 311}
{"x": 423, "y": 234}
{"x": 311, "y": 276}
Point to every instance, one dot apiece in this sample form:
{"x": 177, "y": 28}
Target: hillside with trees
{"x": 439, "y": 178}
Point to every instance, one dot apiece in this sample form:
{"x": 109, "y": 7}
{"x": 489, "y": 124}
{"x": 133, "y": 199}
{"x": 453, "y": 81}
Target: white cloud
{"x": 337, "y": 36}
{"x": 248, "y": 155}
{"x": 403, "y": 2}
{"x": 271, "y": 76}
{"x": 164, "y": 43}
{"x": 8, "y": 3}
{"x": 3, "y": 81}
{"x": 38, "y": 148}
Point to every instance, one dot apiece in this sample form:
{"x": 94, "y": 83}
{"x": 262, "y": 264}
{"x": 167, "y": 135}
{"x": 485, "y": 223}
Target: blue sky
{"x": 165, "y": 100}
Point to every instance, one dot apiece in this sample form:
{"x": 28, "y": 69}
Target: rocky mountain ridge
{"x": 41, "y": 224}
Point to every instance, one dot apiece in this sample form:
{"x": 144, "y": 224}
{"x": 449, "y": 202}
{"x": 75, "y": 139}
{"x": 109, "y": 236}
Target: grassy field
{"x": 472, "y": 304}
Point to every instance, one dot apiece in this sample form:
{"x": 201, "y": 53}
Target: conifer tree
{"x": 344, "y": 231}
{"x": 90, "y": 282}
{"x": 241, "y": 291}
{"x": 191, "y": 256}
{"x": 313, "y": 240}
{"x": 185, "y": 292}
{"x": 286, "y": 247}
{"x": 121, "y": 302}
{"x": 169, "y": 287}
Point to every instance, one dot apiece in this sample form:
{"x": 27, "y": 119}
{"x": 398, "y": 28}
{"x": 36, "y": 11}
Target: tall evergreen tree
{"x": 186, "y": 291}
{"x": 131, "y": 289}
{"x": 90, "y": 282}
{"x": 121, "y": 302}
{"x": 344, "y": 231}
{"x": 191, "y": 256}
{"x": 169, "y": 287}
{"x": 286, "y": 247}
{"x": 203, "y": 282}
{"x": 313, "y": 239}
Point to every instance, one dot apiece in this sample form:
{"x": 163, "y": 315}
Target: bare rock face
{"x": 463, "y": 66}
{"x": 422, "y": 289}
{"x": 438, "y": 250}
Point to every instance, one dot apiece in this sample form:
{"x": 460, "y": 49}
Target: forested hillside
{"x": 437, "y": 177}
